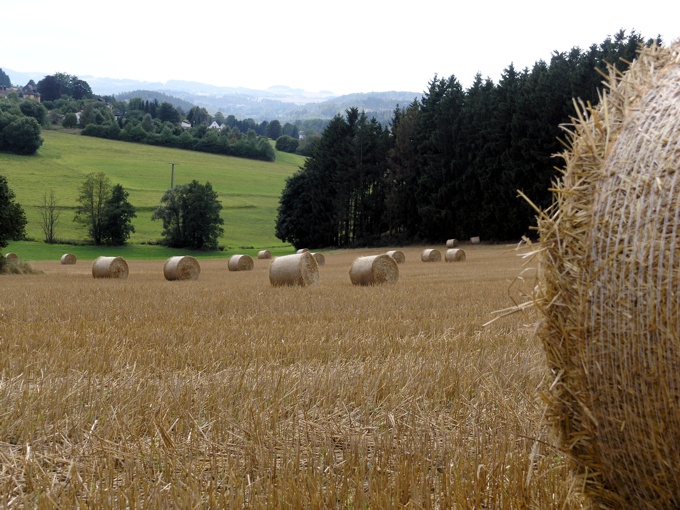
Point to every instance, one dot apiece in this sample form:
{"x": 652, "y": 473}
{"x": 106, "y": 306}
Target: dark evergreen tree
{"x": 4, "y": 79}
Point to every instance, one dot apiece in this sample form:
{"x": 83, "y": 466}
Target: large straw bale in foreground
{"x": 299, "y": 269}
{"x": 110, "y": 267}
{"x": 454, "y": 255}
{"x": 12, "y": 258}
{"x": 241, "y": 263}
{"x": 68, "y": 259}
{"x": 610, "y": 262}
{"x": 397, "y": 255}
{"x": 181, "y": 268}
{"x": 431, "y": 255}
{"x": 374, "y": 270}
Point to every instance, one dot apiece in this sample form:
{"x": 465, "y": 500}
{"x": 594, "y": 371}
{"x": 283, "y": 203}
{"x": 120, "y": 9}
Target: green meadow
{"x": 248, "y": 190}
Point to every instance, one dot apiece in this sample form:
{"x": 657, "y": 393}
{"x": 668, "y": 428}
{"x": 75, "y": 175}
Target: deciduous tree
{"x": 93, "y": 195}
{"x": 12, "y": 216}
{"x": 191, "y": 216}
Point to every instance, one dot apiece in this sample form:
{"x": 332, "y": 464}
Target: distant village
{"x": 30, "y": 91}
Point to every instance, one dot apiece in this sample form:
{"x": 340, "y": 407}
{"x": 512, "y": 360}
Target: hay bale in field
{"x": 454, "y": 255}
{"x": 299, "y": 269}
{"x": 181, "y": 268}
{"x": 452, "y": 243}
{"x": 431, "y": 255}
{"x": 302, "y": 250}
{"x": 264, "y": 254}
{"x": 241, "y": 263}
{"x": 610, "y": 272}
{"x": 374, "y": 270}
{"x": 320, "y": 259}
{"x": 68, "y": 259}
{"x": 110, "y": 267}
{"x": 475, "y": 240}
{"x": 397, "y": 255}
{"x": 12, "y": 258}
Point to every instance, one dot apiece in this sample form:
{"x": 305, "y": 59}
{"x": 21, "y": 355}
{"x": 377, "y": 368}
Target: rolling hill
{"x": 248, "y": 190}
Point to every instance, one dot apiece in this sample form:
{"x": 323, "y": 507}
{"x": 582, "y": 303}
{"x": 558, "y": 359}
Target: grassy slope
{"x": 248, "y": 190}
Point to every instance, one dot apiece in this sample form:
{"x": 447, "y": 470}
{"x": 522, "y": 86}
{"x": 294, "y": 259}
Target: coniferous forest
{"x": 450, "y": 164}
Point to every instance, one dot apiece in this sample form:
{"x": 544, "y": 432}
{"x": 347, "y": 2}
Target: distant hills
{"x": 281, "y": 103}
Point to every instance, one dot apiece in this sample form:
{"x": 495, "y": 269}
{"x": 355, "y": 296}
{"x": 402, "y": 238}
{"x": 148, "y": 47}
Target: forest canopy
{"x": 452, "y": 162}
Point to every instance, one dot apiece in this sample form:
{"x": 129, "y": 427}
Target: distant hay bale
{"x": 181, "y": 268}
{"x": 431, "y": 255}
{"x": 264, "y": 254}
{"x": 608, "y": 292}
{"x": 241, "y": 263}
{"x": 12, "y": 258}
{"x": 454, "y": 255}
{"x": 475, "y": 240}
{"x": 110, "y": 267}
{"x": 320, "y": 259}
{"x": 452, "y": 243}
{"x": 68, "y": 258}
{"x": 397, "y": 255}
{"x": 299, "y": 269}
{"x": 302, "y": 250}
{"x": 374, "y": 270}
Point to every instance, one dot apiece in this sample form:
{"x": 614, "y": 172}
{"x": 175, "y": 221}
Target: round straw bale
{"x": 454, "y": 255}
{"x": 452, "y": 243}
{"x": 374, "y": 270}
{"x": 320, "y": 259}
{"x": 475, "y": 240}
{"x": 609, "y": 268}
{"x": 431, "y": 255}
{"x": 181, "y": 268}
{"x": 110, "y": 267}
{"x": 241, "y": 263}
{"x": 302, "y": 250}
{"x": 397, "y": 255}
{"x": 299, "y": 269}
{"x": 68, "y": 258}
{"x": 12, "y": 258}
{"x": 264, "y": 254}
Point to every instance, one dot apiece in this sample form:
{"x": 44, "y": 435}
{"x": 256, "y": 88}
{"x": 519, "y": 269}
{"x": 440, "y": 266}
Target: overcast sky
{"x": 343, "y": 47}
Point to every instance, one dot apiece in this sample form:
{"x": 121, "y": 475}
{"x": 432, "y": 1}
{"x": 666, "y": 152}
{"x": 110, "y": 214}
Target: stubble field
{"x": 226, "y": 392}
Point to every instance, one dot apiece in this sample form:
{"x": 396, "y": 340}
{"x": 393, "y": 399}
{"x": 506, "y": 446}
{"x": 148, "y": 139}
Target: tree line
{"x": 451, "y": 163}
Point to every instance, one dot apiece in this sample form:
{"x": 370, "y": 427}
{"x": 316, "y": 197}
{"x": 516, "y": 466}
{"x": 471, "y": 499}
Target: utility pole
{"x": 172, "y": 175}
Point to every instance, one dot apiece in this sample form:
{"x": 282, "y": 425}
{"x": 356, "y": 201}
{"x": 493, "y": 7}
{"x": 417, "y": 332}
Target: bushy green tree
{"x": 21, "y": 135}
{"x": 70, "y": 121}
{"x": 12, "y": 216}
{"x": 191, "y": 216}
{"x": 34, "y": 109}
{"x": 117, "y": 217}
{"x": 287, "y": 144}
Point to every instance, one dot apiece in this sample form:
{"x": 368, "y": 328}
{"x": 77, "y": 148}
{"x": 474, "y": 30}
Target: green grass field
{"x": 248, "y": 190}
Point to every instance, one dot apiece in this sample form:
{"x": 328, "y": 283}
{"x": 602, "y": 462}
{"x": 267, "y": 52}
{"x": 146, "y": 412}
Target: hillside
{"x": 248, "y": 190}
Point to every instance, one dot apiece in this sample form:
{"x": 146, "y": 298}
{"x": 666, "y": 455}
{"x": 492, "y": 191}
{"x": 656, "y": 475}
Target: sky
{"x": 316, "y": 45}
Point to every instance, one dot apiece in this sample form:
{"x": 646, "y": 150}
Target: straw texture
{"x": 12, "y": 258}
{"x": 68, "y": 258}
{"x": 241, "y": 263}
{"x": 181, "y": 268}
{"x": 431, "y": 255}
{"x": 320, "y": 258}
{"x": 303, "y": 250}
{"x": 110, "y": 267}
{"x": 610, "y": 286}
{"x": 264, "y": 254}
{"x": 397, "y": 255}
{"x": 452, "y": 243}
{"x": 374, "y": 270}
{"x": 454, "y": 255}
{"x": 299, "y": 269}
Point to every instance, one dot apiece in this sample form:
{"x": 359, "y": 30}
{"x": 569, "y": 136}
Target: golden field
{"x": 227, "y": 392}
